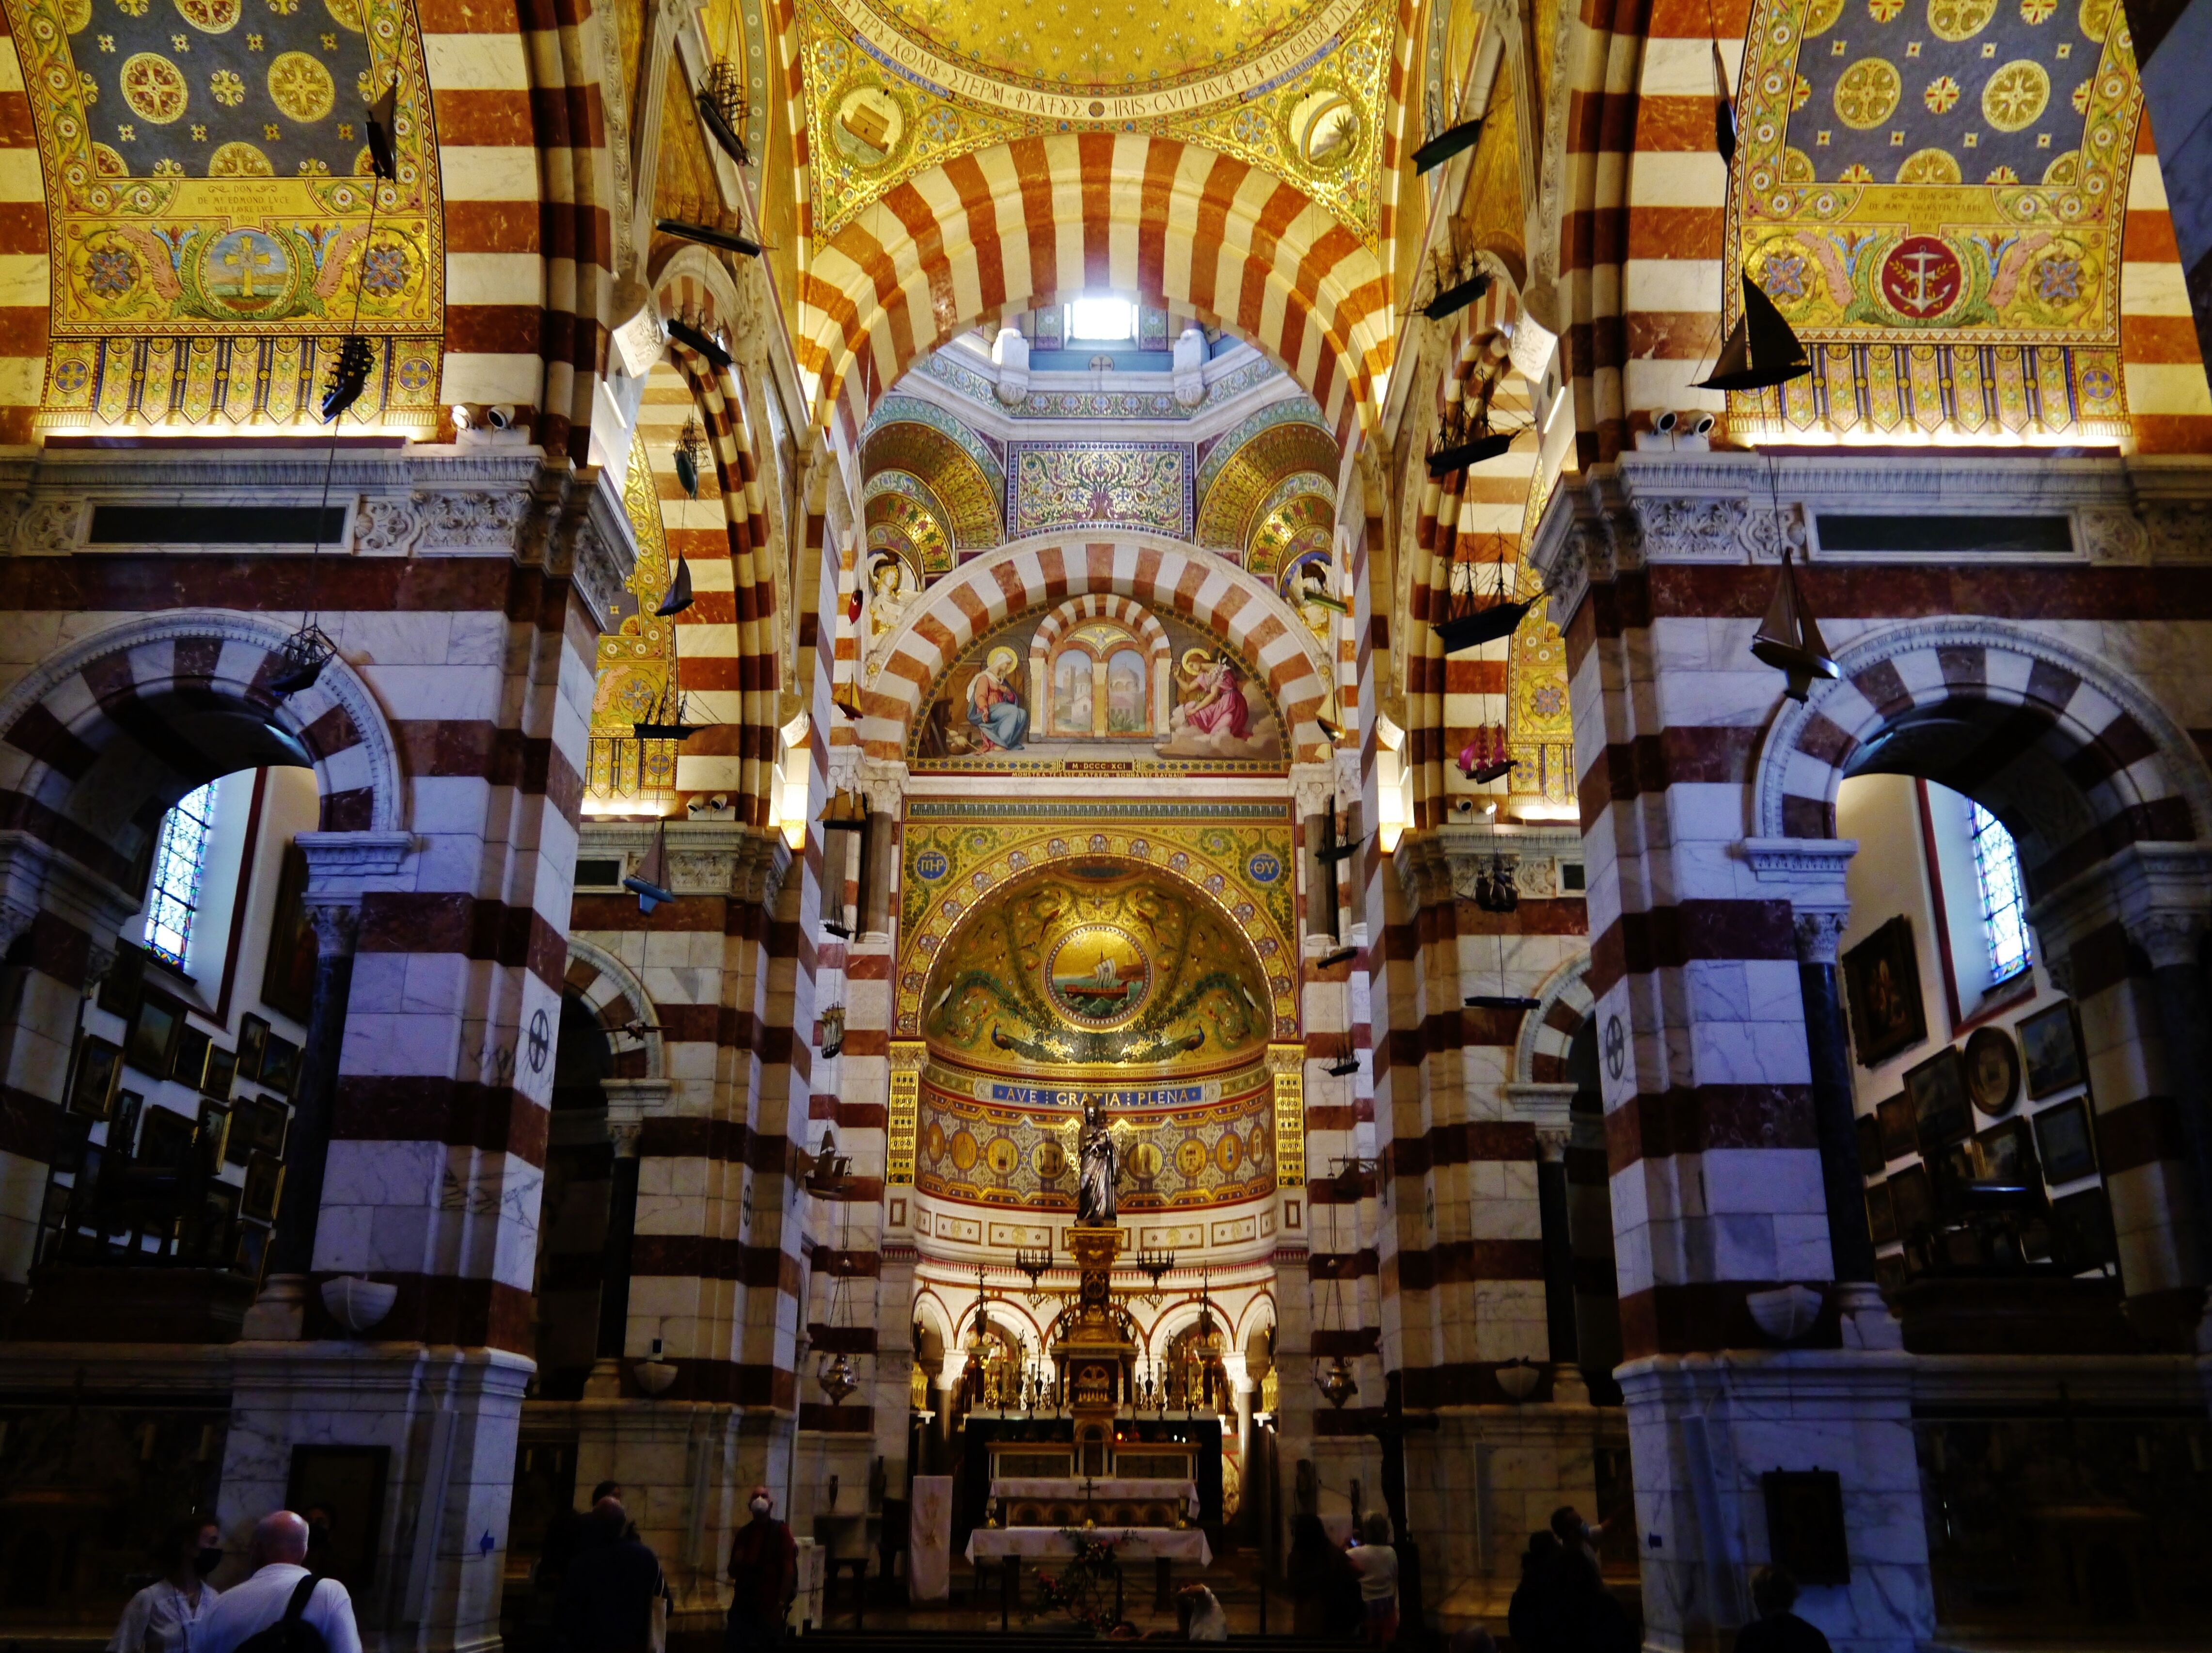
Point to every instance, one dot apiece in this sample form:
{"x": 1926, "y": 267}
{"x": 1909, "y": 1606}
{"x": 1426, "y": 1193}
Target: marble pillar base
{"x": 1488, "y": 1478}
{"x": 1703, "y": 1429}
{"x": 279, "y": 1314}
{"x": 446, "y": 1419}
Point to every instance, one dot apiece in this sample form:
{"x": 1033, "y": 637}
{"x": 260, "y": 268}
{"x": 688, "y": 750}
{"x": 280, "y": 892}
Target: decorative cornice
{"x": 35, "y": 876}
{"x": 2161, "y": 893}
{"x": 1733, "y": 508}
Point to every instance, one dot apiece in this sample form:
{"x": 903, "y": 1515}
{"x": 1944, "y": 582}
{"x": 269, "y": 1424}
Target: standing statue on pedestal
{"x": 1102, "y": 1169}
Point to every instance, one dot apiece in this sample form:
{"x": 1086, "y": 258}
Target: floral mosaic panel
{"x": 1143, "y": 486}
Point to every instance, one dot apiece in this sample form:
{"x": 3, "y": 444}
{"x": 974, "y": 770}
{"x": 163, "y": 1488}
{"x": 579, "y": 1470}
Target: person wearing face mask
{"x": 764, "y": 1567}
{"x": 159, "y": 1617}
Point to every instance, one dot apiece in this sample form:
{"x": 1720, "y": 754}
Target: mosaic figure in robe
{"x": 995, "y": 711}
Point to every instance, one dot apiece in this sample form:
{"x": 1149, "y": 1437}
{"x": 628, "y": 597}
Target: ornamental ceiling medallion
{"x": 208, "y": 195}
{"x": 1096, "y": 936}
{"x": 1950, "y": 175}
{"x": 1294, "y": 86}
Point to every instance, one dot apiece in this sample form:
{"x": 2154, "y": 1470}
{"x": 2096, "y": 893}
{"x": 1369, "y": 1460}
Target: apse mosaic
{"x": 964, "y": 480}
{"x": 213, "y": 221}
{"x": 1179, "y": 924}
{"x": 1298, "y": 86}
{"x": 1097, "y": 962}
{"x": 988, "y": 1142}
{"x": 1298, "y": 522}
{"x": 637, "y": 657}
{"x": 1539, "y": 732}
{"x": 1141, "y": 486}
{"x": 1933, "y": 193}
{"x": 1146, "y": 694}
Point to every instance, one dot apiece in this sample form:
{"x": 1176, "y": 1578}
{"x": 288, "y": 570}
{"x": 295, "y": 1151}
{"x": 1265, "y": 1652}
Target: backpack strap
{"x": 298, "y": 1605}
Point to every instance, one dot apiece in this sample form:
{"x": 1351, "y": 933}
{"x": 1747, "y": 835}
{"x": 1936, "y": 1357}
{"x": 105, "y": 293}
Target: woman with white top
{"x": 1376, "y": 1561}
{"x": 160, "y": 1618}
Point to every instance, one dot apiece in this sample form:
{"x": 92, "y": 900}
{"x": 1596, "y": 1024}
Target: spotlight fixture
{"x": 348, "y": 377}
{"x": 383, "y": 129}
{"x": 700, "y": 233}
{"x": 1446, "y": 144}
{"x": 305, "y": 653}
{"x": 692, "y": 338}
{"x": 1789, "y": 639}
{"x": 1762, "y": 348}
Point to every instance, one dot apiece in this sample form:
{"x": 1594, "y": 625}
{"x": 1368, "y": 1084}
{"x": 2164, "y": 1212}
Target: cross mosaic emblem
{"x": 1616, "y": 1046}
{"x": 541, "y": 1040}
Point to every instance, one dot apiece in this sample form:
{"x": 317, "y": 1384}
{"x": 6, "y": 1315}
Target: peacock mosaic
{"x": 215, "y": 228}
{"x": 1933, "y": 193}
{"x": 1199, "y": 901}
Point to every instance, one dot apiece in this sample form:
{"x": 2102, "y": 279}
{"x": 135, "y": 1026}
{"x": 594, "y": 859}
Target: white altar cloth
{"x": 1061, "y": 1489}
{"x": 1130, "y": 1543}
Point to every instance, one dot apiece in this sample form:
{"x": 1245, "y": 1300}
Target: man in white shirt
{"x": 280, "y": 1546}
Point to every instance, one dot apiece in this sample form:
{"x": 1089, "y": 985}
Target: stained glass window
{"x": 180, "y": 861}
{"x": 2004, "y": 901}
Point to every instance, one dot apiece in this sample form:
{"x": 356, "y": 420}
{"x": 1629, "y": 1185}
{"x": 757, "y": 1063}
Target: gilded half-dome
{"x": 1096, "y": 965}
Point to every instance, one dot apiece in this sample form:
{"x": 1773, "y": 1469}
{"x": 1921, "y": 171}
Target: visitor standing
{"x": 1777, "y": 1630}
{"x": 1532, "y": 1617}
{"x": 159, "y": 1616}
{"x": 281, "y": 1590}
{"x": 1323, "y": 1584}
{"x": 1376, "y": 1561}
{"x": 764, "y": 1568}
{"x": 612, "y": 1597}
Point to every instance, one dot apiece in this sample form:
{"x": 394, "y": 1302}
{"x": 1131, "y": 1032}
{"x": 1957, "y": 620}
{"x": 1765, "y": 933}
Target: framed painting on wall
{"x": 2051, "y": 1047}
{"x": 2082, "y": 1227}
{"x": 1893, "y": 1115}
{"x": 151, "y": 1045}
{"x": 1881, "y": 1214}
{"x": 1866, "y": 1140}
{"x": 287, "y": 981}
{"x": 99, "y": 1064}
{"x": 1940, "y": 1112}
{"x": 222, "y": 1072}
{"x": 252, "y": 1040}
{"x": 2070, "y": 1149}
{"x": 1882, "y": 976}
{"x": 1912, "y": 1199}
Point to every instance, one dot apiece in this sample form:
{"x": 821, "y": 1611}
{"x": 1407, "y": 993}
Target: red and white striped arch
{"x": 1047, "y": 216}
{"x": 1199, "y": 586}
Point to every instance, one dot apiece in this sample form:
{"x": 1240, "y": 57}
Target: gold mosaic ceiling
{"x": 1106, "y": 47}
{"x": 1298, "y": 86}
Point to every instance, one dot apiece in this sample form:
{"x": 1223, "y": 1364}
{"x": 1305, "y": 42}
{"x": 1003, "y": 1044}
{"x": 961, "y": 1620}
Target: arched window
{"x": 172, "y": 893}
{"x": 2004, "y": 901}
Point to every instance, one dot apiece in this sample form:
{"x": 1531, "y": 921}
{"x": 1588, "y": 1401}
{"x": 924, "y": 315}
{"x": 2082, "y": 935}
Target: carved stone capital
{"x": 882, "y": 780}
{"x": 338, "y": 925}
{"x": 1819, "y": 931}
{"x": 2169, "y": 937}
{"x": 1312, "y": 785}
{"x": 1552, "y": 1144}
{"x": 35, "y": 878}
{"x": 342, "y": 867}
